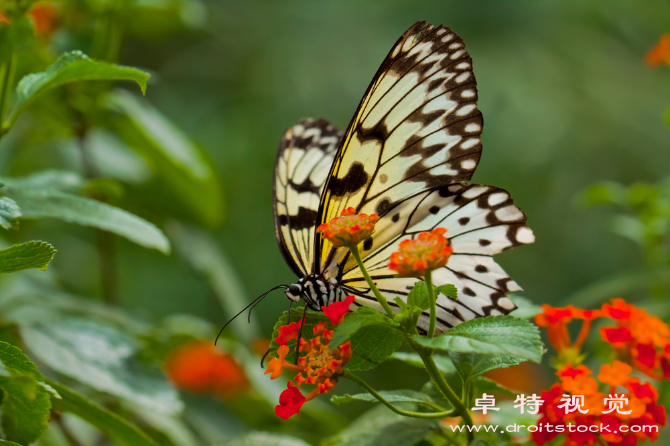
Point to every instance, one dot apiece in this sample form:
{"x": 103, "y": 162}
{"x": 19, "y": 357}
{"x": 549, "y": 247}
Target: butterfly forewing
{"x": 304, "y": 160}
{"x": 417, "y": 127}
{"x": 481, "y": 221}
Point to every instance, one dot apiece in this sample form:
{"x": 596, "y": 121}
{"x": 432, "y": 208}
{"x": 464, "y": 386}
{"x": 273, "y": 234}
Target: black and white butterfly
{"x": 413, "y": 142}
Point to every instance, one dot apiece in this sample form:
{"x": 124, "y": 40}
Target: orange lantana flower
{"x": 350, "y": 229}
{"x": 556, "y": 321}
{"x": 45, "y": 18}
{"x": 200, "y": 367}
{"x": 320, "y": 366}
{"x": 660, "y": 52}
{"x": 428, "y": 252}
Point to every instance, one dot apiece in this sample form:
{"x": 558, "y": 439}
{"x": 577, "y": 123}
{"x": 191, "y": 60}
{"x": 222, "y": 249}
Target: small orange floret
{"x": 660, "y": 52}
{"x": 349, "y": 229}
{"x": 428, "y": 252}
{"x": 615, "y": 374}
{"x": 201, "y": 367}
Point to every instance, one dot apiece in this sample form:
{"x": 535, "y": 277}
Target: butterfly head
{"x": 294, "y": 291}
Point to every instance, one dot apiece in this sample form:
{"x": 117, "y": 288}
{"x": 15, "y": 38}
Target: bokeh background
{"x": 566, "y": 97}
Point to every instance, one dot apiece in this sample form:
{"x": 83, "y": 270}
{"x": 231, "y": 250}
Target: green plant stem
{"x": 432, "y": 299}
{"x": 368, "y": 279}
{"x": 441, "y": 383}
{"x": 6, "y": 82}
{"x": 443, "y": 413}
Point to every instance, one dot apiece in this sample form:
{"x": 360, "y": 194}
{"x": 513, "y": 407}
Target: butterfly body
{"x": 406, "y": 156}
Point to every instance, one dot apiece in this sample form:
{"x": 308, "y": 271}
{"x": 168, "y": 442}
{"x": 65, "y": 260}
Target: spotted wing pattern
{"x": 304, "y": 160}
{"x": 481, "y": 221}
{"x": 417, "y": 127}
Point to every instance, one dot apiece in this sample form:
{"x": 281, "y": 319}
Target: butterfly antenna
{"x": 252, "y": 304}
{"x": 264, "y": 356}
{"x": 302, "y": 324}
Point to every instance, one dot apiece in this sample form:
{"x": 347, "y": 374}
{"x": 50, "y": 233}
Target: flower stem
{"x": 443, "y": 413}
{"x": 431, "y": 297}
{"x": 441, "y": 383}
{"x": 368, "y": 279}
{"x": 6, "y": 82}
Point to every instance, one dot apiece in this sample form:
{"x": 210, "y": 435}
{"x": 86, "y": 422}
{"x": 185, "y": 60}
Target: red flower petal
{"x": 289, "y": 332}
{"x": 616, "y": 335}
{"x": 337, "y": 310}
{"x": 290, "y": 402}
{"x": 646, "y": 355}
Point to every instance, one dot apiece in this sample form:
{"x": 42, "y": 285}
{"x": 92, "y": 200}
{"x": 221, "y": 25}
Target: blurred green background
{"x": 566, "y": 97}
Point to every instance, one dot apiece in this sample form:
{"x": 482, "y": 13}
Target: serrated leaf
{"x": 102, "y": 357}
{"x": 395, "y": 396}
{"x": 418, "y": 296}
{"x": 264, "y": 439}
{"x": 9, "y": 213}
{"x": 41, "y": 203}
{"x": 353, "y": 322}
{"x": 73, "y": 66}
{"x": 470, "y": 365}
{"x": 485, "y": 385}
{"x": 182, "y": 164}
{"x": 105, "y": 420}
{"x": 443, "y": 363}
{"x": 27, "y": 255}
{"x": 493, "y": 335}
{"x": 26, "y": 409}
{"x": 448, "y": 290}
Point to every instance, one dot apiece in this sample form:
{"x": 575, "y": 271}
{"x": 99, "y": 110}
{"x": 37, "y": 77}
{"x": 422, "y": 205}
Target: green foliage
{"x": 26, "y": 400}
{"x": 494, "y": 335}
{"x": 105, "y": 420}
{"x": 181, "y": 164}
{"x": 25, "y": 256}
{"x": 9, "y": 213}
{"x": 372, "y": 345}
{"x": 74, "y": 66}
{"x": 353, "y": 322}
{"x": 45, "y": 203}
{"x": 394, "y": 396}
{"x": 100, "y": 356}
{"x": 418, "y": 296}
{"x": 443, "y": 362}
{"x": 470, "y": 365}
{"x": 380, "y": 426}
{"x": 264, "y": 439}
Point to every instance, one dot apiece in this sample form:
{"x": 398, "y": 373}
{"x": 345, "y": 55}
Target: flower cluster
{"x": 556, "y": 321}
{"x": 350, "y": 229}
{"x": 200, "y": 367}
{"x": 639, "y": 338}
{"x": 320, "y": 366}
{"x": 632, "y": 412}
{"x": 415, "y": 257}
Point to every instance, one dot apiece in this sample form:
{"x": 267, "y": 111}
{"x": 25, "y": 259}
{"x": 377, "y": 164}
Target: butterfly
{"x": 406, "y": 156}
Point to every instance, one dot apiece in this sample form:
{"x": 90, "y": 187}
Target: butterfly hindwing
{"x": 304, "y": 160}
{"x": 417, "y": 127}
{"x": 480, "y": 220}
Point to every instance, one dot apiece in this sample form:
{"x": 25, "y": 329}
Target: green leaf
{"x": 470, "y": 365}
{"x": 494, "y": 335}
{"x": 443, "y": 363}
{"x": 448, "y": 290}
{"x": 485, "y": 385}
{"x": 26, "y": 401}
{"x": 526, "y": 309}
{"x": 264, "y": 439}
{"x": 8, "y": 443}
{"x": 183, "y": 166}
{"x": 74, "y": 66}
{"x": 102, "y": 357}
{"x": 380, "y": 426}
{"x": 27, "y": 255}
{"x": 353, "y": 322}
{"x": 107, "y": 421}
{"x": 9, "y": 213}
{"x": 395, "y": 396}
{"x": 52, "y": 179}
{"x": 372, "y": 345}
{"x": 418, "y": 296}
{"x": 39, "y": 203}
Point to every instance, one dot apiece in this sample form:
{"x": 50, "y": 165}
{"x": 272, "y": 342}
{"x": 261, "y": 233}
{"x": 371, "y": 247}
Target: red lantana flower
{"x": 428, "y": 252}
{"x": 320, "y": 365}
{"x": 350, "y": 229}
{"x": 556, "y": 321}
